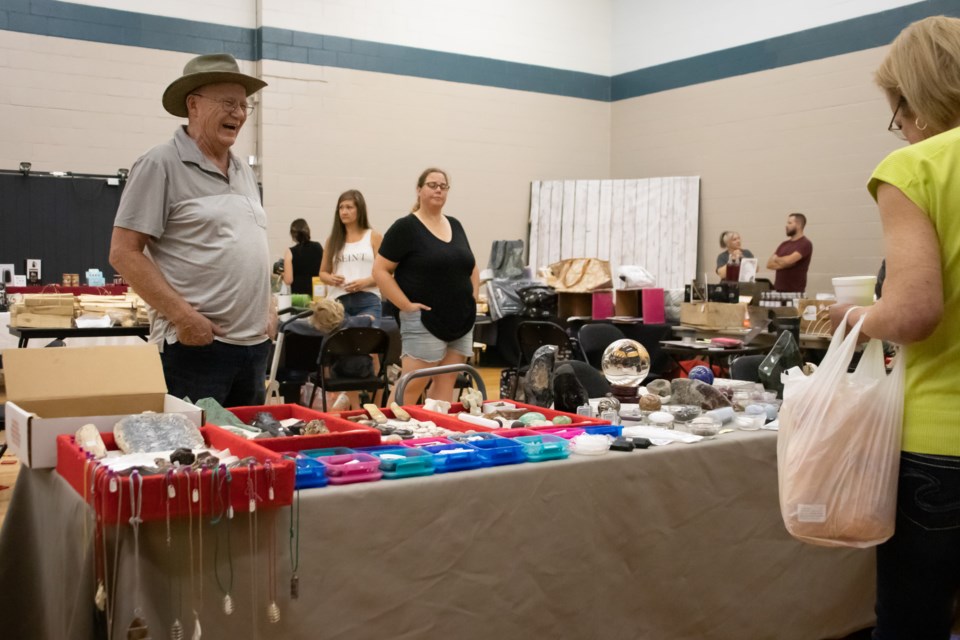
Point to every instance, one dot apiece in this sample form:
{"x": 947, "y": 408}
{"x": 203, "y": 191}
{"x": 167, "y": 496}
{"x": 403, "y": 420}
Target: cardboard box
{"x": 602, "y": 304}
{"x": 574, "y": 305}
{"x": 713, "y": 315}
{"x": 815, "y": 317}
{"x": 56, "y": 391}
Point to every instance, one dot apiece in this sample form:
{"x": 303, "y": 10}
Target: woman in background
{"x": 427, "y": 269}
{"x": 347, "y": 267}
{"x": 302, "y": 261}
{"x": 732, "y": 254}
{"x": 918, "y": 195}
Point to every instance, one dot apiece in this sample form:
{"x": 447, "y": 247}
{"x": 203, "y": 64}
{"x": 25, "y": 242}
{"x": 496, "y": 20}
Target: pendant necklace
{"x": 295, "y": 550}
{"x": 252, "y": 535}
{"x": 176, "y": 629}
{"x": 191, "y": 498}
{"x": 198, "y": 499}
{"x": 138, "y": 627}
{"x": 221, "y": 491}
{"x": 273, "y": 610}
{"x": 110, "y": 480}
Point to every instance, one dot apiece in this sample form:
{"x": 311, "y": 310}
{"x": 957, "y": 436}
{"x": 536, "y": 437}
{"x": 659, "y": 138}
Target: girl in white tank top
{"x": 347, "y": 266}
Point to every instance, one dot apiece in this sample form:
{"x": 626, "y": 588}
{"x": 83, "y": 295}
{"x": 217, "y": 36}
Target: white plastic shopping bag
{"x": 838, "y": 448}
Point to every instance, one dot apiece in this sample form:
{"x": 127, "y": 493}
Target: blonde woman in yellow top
{"x": 917, "y": 189}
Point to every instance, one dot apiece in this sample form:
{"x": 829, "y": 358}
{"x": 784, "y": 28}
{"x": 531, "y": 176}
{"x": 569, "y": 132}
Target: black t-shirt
{"x": 306, "y": 264}
{"x": 435, "y": 273}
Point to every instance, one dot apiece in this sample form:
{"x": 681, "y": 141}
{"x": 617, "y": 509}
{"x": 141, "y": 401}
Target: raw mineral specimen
{"x": 538, "y": 383}
{"x": 568, "y": 393}
{"x": 472, "y": 401}
{"x": 156, "y": 432}
{"x": 686, "y": 391}
{"x": 650, "y": 402}
{"x": 315, "y": 427}
{"x": 266, "y": 422}
{"x": 88, "y": 439}
{"x": 659, "y": 387}
{"x": 399, "y": 412}
{"x": 183, "y": 456}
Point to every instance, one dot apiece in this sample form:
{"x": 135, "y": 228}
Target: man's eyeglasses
{"x": 229, "y": 104}
{"x": 433, "y": 186}
{"x": 893, "y": 127}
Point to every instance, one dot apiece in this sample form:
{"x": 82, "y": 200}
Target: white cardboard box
{"x": 56, "y": 391}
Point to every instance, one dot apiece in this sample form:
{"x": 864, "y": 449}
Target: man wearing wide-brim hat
{"x": 194, "y": 206}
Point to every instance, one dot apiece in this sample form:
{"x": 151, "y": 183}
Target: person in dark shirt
{"x": 792, "y": 258}
{"x": 301, "y": 261}
{"x": 426, "y": 268}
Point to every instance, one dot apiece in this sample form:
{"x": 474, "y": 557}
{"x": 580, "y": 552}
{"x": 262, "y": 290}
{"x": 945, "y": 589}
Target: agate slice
{"x": 156, "y": 432}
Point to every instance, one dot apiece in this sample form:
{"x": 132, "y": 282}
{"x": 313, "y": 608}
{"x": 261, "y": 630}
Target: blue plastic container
{"x": 544, "y": 447}
{"x": 311, "y": 473}
{"x": 456, "y": 456}
{"x": 612, "y": 430}
{"x": 402, "y": 462}
{"x": 499, "y": 451}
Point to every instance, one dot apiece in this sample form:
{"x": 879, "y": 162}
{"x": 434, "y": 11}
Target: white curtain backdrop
{"x": 651, "y": 222}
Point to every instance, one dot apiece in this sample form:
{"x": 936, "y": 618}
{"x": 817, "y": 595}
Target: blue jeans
{"x": 233, "y": 375}
{"x": 918, "y": 569}
{"x": 361, "y": 303}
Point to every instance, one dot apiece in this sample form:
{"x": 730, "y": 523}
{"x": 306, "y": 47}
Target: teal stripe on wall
{"x": 111, "y": 26}
{"x": 861, "y": 33}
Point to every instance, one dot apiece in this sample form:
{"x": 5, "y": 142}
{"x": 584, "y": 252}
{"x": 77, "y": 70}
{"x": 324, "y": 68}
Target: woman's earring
{"x": 917, "y": 124}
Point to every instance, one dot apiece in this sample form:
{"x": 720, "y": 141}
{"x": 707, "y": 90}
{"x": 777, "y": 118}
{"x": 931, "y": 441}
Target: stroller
{"x": 294, "y": 359}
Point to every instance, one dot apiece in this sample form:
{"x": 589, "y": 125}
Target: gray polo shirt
{"x": 208, "y": 237}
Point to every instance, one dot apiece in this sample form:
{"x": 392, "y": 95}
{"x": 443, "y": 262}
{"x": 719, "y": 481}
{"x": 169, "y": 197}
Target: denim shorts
{"x": 421, "y": 344}
{"x": 361, "y": 303}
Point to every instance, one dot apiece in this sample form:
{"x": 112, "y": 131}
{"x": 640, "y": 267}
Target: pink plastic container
{"x": 652, "y": 305}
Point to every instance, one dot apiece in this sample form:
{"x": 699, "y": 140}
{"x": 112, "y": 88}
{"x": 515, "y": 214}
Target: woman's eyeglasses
{"x": 893, "y": 127}
{"x": 433, "y": 186}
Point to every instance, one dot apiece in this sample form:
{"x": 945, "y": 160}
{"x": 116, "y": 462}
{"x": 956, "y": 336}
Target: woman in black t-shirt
{"x": 426, "y": 268}
{"x": 301, "y": 262}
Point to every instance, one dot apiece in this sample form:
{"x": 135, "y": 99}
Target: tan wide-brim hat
{"x": 202, "y": 70}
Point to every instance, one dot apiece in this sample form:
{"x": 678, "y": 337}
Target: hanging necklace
{"x": 99, "y": 542}
{"x": 110, "y": 478}
{"x": 295, "y": 550}
{"x": 252, "y": 535}
{"x": 273, "y": 610}
{"x": 198, "y": 499}
{"x": 192, "y": 496}
{"x": 221, "y": 492}
{"x": 138, "y": 627}
{"x": 176, "y": 629}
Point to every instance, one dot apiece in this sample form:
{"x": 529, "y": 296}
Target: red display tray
{"x": 343, "y": 433}
{"x": 77, "y": 469}
{"x": 450, "y": 420}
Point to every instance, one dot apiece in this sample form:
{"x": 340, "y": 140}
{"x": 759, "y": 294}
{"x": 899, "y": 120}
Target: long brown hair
{"x": 338, "y": 235}
{"x": 423, "y": 179}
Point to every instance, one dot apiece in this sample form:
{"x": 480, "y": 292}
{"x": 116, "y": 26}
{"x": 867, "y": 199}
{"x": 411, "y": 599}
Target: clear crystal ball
{"x": 626, "y": 362}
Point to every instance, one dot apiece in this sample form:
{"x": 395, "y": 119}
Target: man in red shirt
{"x": 792, "y": 258}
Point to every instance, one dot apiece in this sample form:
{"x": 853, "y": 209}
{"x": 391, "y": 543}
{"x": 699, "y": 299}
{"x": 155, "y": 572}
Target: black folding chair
{"x": 595, "y": 337}
{"x": 350, "y": 343}
{"x": 533, "y": 334}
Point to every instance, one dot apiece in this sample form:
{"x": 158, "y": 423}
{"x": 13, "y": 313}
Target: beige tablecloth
{"x": 684, "y": 541}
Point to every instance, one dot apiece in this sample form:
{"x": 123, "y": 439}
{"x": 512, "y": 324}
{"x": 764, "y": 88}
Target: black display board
{"x": 66, "y": 222}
